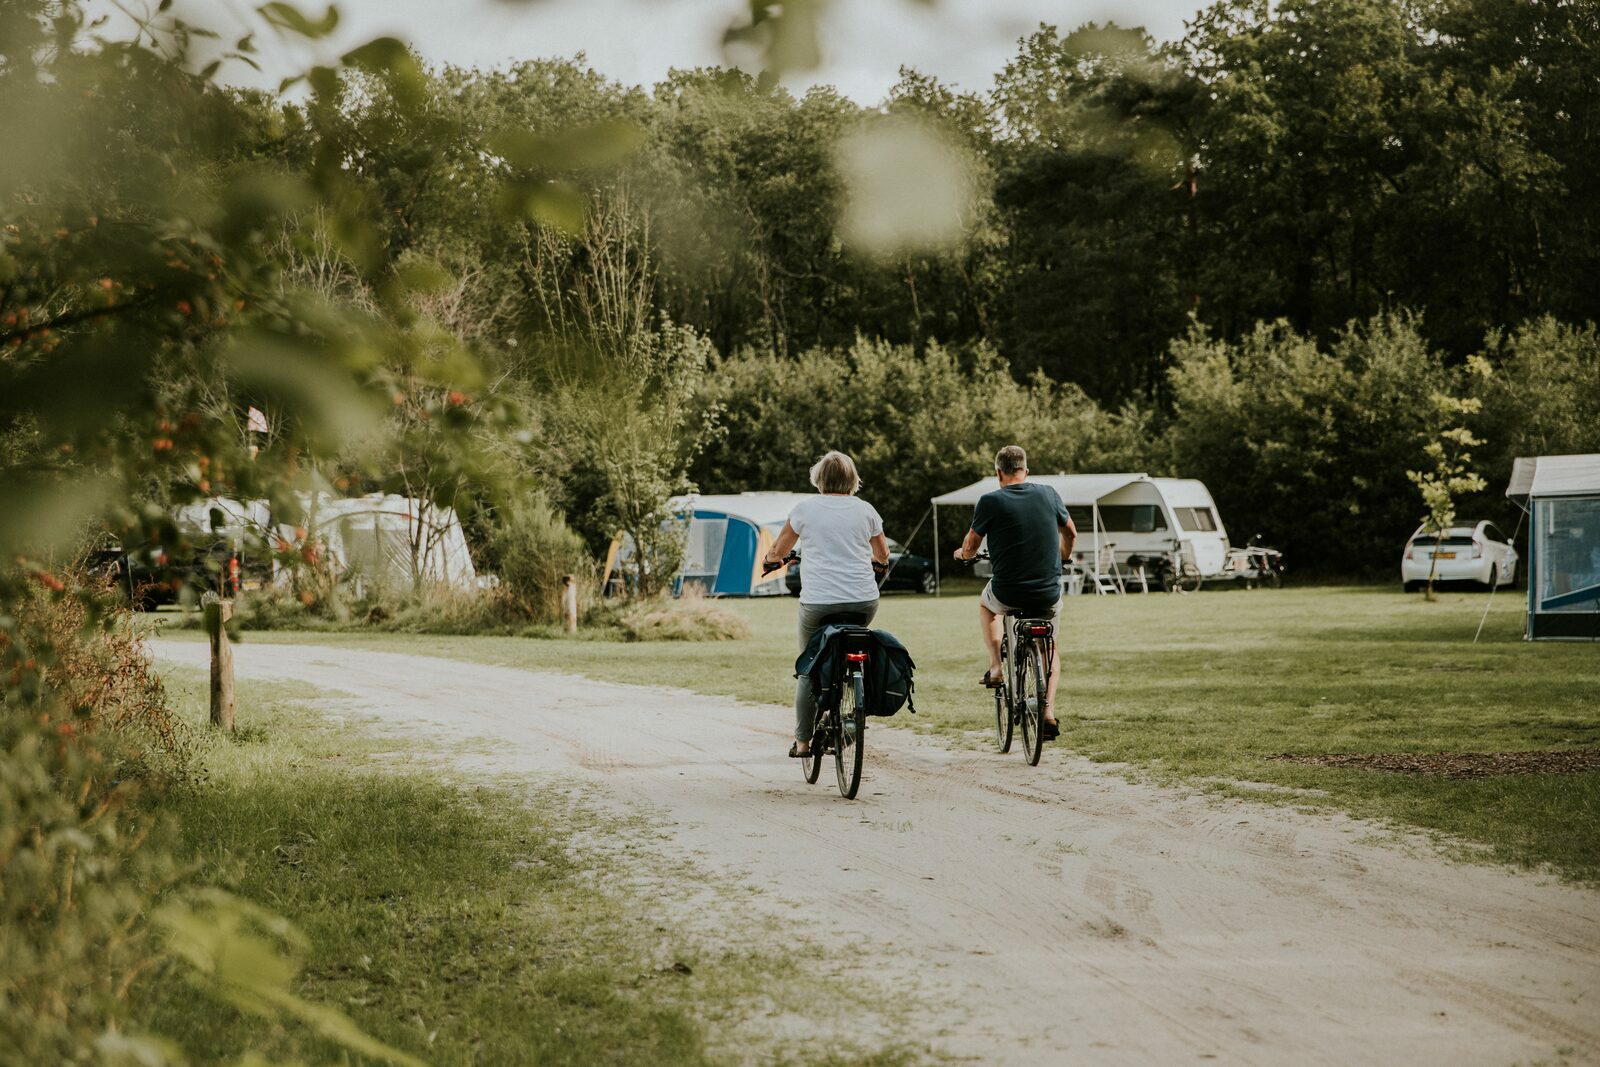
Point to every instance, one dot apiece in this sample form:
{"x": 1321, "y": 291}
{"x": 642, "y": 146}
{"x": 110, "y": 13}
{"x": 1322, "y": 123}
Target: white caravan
{"x": 1131, "y": 514}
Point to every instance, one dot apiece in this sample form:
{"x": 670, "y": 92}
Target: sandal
{"x": 991, "y": 683}
{"x": 1049, "y": 729}
{"x": 795, "y": 753}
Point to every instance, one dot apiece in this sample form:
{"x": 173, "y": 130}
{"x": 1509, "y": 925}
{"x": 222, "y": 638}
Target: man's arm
{"x": 1069, "y": 537}
{"x": 969, "y": 546}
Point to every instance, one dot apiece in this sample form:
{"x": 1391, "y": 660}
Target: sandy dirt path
{"x": 1066, "y": 915}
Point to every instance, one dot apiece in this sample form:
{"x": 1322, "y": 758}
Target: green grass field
{"x": 462, "y": 923}
{"x": 1202, "y": 689}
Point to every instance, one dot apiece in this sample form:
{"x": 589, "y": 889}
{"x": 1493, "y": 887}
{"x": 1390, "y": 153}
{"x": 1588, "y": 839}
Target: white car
{"x": 1475, "y": 552}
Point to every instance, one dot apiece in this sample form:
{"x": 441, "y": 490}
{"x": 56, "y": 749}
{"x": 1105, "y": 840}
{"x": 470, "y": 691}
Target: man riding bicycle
{"x": 1030, "y": 535}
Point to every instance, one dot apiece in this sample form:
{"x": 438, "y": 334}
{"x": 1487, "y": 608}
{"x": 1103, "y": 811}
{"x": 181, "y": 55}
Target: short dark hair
{"x": 1011, "y": 459}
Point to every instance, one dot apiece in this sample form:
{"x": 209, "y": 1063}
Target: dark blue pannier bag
{"x": 889, "y": 668}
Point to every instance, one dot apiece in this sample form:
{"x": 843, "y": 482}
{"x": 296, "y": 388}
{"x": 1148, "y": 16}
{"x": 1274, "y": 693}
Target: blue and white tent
{"x": 725, "y": 538}
{"x": 1561, "y": 495}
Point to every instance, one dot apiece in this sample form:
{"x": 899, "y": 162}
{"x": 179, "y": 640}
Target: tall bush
{"x": 1544, "y": 397}
{"x": 622, "y": 439}
{"x": 1309, "y": 444}
{"x": 84, "y": 729}
{"x": 535, "y": 549}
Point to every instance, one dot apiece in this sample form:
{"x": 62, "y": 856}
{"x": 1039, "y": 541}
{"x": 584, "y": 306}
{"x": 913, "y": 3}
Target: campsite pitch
{"x": 1056, "y": 914}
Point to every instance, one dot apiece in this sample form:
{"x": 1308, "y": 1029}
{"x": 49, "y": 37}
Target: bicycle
{"x": 841, "y": 729}
{"x": 1027, "y": 648}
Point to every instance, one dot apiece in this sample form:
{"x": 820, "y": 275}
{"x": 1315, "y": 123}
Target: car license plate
{"x": 1444, "y": 555}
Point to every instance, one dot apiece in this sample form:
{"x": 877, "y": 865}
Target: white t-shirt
{"x": 835, "y": 556}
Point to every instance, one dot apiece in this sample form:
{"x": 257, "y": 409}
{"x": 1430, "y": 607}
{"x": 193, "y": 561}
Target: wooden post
{"x": 218, "y": 612}
{"x": 569, "y": 602}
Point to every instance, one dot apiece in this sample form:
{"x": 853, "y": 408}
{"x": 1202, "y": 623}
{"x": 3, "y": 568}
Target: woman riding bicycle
{"x": 842, "y": 540}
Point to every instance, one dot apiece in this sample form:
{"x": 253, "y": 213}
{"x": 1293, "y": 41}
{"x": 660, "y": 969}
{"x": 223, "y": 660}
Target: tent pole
{"x": 936, "y": 550}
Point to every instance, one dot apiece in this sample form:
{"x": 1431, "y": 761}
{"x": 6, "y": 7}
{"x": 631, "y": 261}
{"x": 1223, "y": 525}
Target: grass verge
{"x": 462, "y": 925}
{"x": 1203, "y": 689}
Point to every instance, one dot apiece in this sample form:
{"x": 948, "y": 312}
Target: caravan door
{"x": 1198, "y": 523}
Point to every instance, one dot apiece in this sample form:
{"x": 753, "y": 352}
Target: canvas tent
{"x": 223, "y": 518}
{"x": 393, "y": 540}
{"x": 1134, "y": 513}
{"x": 388, "y": 539}
{"x": 1561, "y": 495}
{"x": 725, "y": 538}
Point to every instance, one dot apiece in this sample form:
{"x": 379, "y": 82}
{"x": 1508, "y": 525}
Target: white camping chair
{"x": 1107, "y": 577}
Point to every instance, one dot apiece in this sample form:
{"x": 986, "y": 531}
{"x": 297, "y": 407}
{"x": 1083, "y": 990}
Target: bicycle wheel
{"x": 849, "y": 742}
{"x": 1030, "y": 698}
{"x": 811, "y": 766}
{"x": 1002, "y": 721}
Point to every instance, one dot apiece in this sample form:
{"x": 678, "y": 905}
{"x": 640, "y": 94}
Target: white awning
{"x": 1076, "y": 490}
{"x": 1533, "y": 476}
{"x": 760, "y": 508}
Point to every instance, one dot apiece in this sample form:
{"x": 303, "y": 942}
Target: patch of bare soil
{"x": 1460, "y": 764}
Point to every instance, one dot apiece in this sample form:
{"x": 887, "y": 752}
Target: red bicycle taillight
{"x": 1039, "y": 629}
{"x": 855, "y": 657}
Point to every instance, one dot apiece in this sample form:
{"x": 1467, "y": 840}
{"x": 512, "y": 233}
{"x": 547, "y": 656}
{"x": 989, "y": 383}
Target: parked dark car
{"x": 148, "y": 587}
{"x": 907, "y": 571}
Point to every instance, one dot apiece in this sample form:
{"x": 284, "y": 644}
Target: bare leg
{"x": 991, "y": 637}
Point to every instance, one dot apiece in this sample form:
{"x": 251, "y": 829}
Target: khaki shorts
{"x": 992, "y": 602}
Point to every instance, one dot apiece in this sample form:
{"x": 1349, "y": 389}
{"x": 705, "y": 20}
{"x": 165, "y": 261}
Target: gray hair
{"x": 835, "y": 472}
{"x": 1011, "y": 459}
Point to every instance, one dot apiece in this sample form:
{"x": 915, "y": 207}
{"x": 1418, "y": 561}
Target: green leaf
{"x": 379, "y": 55}
{"x": 556, "y": 204}
{"x": 288, "y": 17}
{"x": 42, "y": 513}
{"x": 305, "y": 379}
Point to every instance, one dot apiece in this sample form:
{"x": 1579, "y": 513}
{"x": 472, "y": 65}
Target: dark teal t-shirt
{"x": 1023, "y": 524}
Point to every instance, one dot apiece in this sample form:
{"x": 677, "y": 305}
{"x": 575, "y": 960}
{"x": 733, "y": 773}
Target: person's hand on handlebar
{"x": 769, "y": 564}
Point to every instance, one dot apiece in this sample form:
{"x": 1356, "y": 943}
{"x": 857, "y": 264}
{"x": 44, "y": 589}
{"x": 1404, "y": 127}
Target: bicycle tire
{"x": 1002, "y": 721}
{"x": 849, "y": 743}
{"x": 1031, "y": 703}
{"x": 811, "y": 765}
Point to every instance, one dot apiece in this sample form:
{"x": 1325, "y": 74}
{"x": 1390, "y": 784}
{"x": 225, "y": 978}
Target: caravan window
{"x": 1131, "y": 518}
{"x": 1197, "y": 520}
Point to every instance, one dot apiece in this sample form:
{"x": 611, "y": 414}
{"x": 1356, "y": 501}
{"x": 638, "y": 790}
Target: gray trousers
{"x": 811, "y": 616}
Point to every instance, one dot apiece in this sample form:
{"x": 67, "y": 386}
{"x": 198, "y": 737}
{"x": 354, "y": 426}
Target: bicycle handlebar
{"x": 768, "y": 568}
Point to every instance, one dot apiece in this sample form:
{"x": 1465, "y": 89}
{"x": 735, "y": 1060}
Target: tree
{"x": 1092, "y": 189}
{"x": 1450, "y": 475}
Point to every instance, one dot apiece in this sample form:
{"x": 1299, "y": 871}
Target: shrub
{"x": 536, "y": 548}
{"x": 1310, "y": 444}
{"x": 687, "y": 619}
{"x": 84, "y": 729}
